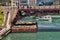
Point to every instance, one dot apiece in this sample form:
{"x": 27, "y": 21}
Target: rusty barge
{"x": 25, "y": 27}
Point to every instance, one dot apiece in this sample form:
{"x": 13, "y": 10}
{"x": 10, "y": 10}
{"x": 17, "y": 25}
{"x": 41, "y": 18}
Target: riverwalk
{"x": 4, "y": 31}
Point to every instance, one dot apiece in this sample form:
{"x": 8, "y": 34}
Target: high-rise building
{"x": 25, "y": 2}
{"x": 32, "y": 2}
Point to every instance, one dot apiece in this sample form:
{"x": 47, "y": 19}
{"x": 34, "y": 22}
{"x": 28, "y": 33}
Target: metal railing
{"x": 56, "y": 6}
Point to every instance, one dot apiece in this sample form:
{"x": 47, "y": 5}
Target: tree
{"x": 1, "y": 17}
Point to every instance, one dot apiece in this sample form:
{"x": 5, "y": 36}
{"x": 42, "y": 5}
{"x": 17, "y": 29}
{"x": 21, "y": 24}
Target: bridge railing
{"x": 41, "y": 7}
{"x": 33, "y": 7}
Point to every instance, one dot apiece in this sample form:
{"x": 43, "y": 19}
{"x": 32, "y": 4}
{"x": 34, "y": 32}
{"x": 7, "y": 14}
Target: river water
{"x": 55, "y": 24}
{"x": 33, "y": 36}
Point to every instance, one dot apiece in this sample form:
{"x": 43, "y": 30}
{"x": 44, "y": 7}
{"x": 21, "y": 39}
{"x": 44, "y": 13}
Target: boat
{"x": 46, "y": 18}
{"x": 25, "y": 27}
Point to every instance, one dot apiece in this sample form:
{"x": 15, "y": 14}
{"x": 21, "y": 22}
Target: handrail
{"x": 35, "y": 7}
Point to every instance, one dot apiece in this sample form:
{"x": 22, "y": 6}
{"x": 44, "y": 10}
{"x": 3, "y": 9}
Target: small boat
{"x": 46, "y": 18}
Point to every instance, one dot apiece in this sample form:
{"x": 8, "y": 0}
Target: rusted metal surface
{"x": 41, "y": 8}
{"x": 25, "y": 27}
{"x": 13, "y": 10}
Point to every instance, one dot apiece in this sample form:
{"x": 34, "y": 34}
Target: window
{"x": 23, "y": 1}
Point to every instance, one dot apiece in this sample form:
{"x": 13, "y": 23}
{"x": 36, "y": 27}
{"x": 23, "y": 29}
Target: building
{"x": 24, "y": 2}
{"x": 32, "y": 2}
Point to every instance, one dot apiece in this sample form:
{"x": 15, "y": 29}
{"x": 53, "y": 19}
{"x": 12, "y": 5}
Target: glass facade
{"x": 23, "y": 1}
{"x": 47, "y": 2}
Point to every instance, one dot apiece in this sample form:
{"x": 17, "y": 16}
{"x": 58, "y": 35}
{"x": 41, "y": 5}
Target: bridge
{"x": 13, "y": 10}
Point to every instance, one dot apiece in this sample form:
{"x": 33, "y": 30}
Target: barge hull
{"x": 25, "y": 29}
